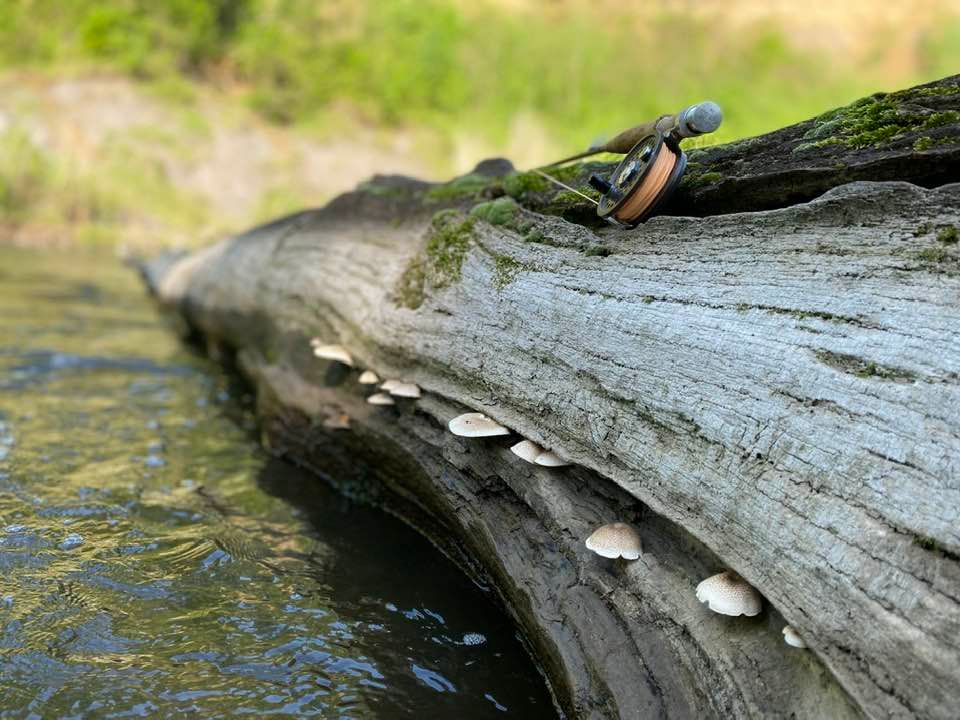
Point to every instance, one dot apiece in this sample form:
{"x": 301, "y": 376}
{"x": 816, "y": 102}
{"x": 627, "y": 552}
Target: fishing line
{"x": 562, "y": 184}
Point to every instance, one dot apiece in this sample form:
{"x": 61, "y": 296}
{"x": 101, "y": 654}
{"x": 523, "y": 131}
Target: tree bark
{"x": 775, "y": 392}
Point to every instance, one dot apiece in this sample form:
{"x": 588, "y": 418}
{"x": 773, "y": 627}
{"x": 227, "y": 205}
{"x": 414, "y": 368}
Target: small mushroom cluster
{"x": 336, "y": 353}
{"x": 792, "y": 637}
{"x": 533, "y": 453}
{"x": 614, "y": 541}
{"x": 725, "y": 593}
{"x": 474, "y": 425}
{"x": 389, "y": 389}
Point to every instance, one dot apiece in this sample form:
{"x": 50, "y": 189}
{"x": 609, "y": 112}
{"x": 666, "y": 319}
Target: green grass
{"x": 440, "y": 70}
{"x": 451, "y": 66}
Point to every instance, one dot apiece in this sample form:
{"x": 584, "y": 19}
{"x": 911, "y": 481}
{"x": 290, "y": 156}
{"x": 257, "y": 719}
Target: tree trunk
{"x": 775, "y": 392}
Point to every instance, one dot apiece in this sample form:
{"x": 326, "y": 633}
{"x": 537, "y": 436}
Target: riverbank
{"x": 101, "y": 160}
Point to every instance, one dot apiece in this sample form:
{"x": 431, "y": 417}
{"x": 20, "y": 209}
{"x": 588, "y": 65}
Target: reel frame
{"x": 643, "y": 180}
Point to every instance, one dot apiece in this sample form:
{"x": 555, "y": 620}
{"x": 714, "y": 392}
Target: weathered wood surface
{"x": 777, "y": 392}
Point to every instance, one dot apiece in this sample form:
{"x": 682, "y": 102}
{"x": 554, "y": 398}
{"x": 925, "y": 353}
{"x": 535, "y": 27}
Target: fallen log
{"x": 774, "y": 392}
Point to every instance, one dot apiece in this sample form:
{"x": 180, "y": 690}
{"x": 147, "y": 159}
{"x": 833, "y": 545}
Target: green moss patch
{"x": 695, "y": 179}
{"x": 875, "y": 120}
{"x": 505, "y": 270}
{"x": 519, "y": 184}
{"x": 461, "y": 188}
{"x": 501, "y": 211}
{"x": 948, "y": 235}
{"x": 565, "y": 200}
{"x": 928, "y": 143}
{"x": 439, "y": 264}
{"x": 569, "y": 174}
{"x": 854, "y": 365}
{"x": 934, "y": 255}
{"x": 598, "y": 251}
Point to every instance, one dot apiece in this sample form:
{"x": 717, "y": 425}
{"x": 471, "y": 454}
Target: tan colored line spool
{"x": 650, "y": 189}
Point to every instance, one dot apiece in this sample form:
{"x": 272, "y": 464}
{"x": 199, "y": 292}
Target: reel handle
{"x": 704, "y": 117}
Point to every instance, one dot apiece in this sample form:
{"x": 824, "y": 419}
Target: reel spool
{"x": 651, "y": 168}
{"x": 645, "y": 178}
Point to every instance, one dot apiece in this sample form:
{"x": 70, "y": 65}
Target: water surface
{"x": 154, "y": 562}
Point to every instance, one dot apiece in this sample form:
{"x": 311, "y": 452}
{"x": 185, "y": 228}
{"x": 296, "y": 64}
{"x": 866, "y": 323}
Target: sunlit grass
{"x": 460, "y": 80}
{"x": 449, "y": 65}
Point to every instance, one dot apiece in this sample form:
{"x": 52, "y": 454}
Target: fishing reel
{"x": 652, "y": 166}
{"x": 644, "y": 179}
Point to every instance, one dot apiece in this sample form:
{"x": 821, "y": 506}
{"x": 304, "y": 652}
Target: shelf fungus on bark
{"x": 380, "y": 399}
{"x": 729, "y": 594}
{"x": 368, "y": 377}
{"x": 476, "y": 425}
{"x": 548, "y": 458}
{"x": 616, "y": 540}
{"x": 527, "y": 450}
{"x": 405, "y": 390}
{"x": 337, "y": 353}
{"x": 792, "y": 638}
{"x": 533, "y": 453}
{"x": 389, "y": 385}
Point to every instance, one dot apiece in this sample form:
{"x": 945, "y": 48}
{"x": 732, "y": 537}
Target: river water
{"x": 155, "y": 562}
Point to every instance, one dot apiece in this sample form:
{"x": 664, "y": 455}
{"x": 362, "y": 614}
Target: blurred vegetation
{"x": 451, "y": 67}
{"x": 436, "y": 63}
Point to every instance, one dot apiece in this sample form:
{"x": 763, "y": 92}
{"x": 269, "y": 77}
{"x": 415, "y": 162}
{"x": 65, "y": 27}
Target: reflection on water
{"x": 154, "y": 562}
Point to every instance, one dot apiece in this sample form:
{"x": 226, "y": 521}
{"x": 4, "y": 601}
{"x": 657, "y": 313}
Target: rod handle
{"x": 704, "y": 117}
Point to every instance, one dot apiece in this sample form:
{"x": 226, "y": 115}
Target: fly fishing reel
{"x": 652, "y": 166}
{"x": 642, "y": 181}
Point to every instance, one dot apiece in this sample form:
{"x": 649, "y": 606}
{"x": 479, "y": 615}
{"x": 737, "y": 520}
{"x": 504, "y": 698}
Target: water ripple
{"x": 153, "y": 562}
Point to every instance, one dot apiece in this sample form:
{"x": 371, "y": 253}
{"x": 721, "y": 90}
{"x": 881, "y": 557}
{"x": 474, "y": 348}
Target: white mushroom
{"x": 614, "y": 541}
{"x": 792, "y": 637}
{"x": 550, "y": 459}
{"x": 527, "y": 450}
{"x": 380, "y": 399}
{"x": 729, "y": 594}
{"x": 368, "y": 377}
{"x": 405, "y": 390}
{"x": 337, "y": 353}
{"x": 315, "y": 342}
{"x": 476, "y": 425}
{"x": 389, "y": 385}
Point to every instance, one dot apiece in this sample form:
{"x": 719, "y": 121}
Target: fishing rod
{"x": 652, "y": 166}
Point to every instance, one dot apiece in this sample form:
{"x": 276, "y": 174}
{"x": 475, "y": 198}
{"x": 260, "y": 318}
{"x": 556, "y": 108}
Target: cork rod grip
{"x": 704, "y": 117}
{"x": 623, "y": 142}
